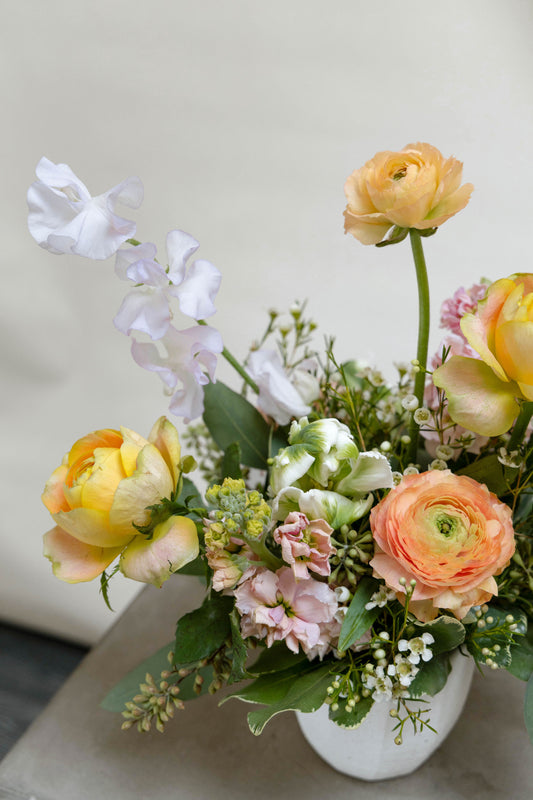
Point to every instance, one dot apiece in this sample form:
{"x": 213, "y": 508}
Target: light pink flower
{"x": 305, "y": 545}
{"x": 276, "y": 607}
{"x": 464, "y": 301}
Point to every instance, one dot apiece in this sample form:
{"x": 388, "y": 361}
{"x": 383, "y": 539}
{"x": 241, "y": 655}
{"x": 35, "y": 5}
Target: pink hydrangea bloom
{"x": 276, "y": 607}
{"x": 305, "y": 545}
{"x": 463, "y": 302}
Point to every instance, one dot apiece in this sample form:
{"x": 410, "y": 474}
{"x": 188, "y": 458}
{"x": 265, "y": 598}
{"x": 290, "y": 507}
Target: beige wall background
{"x": 243, "y": 120}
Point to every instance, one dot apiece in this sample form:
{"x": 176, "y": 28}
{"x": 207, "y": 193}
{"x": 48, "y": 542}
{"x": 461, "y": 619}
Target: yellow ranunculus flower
{"x": 414, "y": 188}
{"x": 482, "y": 393}
{"x": 101, "y": 491}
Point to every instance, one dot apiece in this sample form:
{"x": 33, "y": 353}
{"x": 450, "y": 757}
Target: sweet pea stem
{"x": 520, "y": 427}
{"x": 236, "y": 366}
{"x": 423, "y": 334}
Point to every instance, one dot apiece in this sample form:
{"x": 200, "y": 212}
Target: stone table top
{"x": 76, "y": 751}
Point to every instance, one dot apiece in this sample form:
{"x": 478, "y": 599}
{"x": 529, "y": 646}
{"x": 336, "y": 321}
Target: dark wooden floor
{"x": 32, "y": 668}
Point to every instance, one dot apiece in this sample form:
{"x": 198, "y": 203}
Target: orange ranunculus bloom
{"x": 448, "y": 533}
{"x": 101, "y": 491}
{"x": 414, "y": 188}
{"x": 482, "y": 392}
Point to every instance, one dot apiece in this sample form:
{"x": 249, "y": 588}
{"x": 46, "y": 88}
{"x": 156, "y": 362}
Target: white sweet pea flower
{"x": 147, "y": 307}
{"x": 189, "y": 363}
{"x": 64, "y": 218}
{"x": 277, "y": 396}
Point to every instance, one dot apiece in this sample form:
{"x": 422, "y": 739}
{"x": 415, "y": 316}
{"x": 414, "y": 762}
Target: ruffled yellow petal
{"x": 149, "y": 484}
{"x": 165, "y": 437}
{"x": 105, "y": 475}
{"x": 92, "y": 527}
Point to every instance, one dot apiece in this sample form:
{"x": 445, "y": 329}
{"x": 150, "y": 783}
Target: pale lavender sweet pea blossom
{"x": 186, "y": 366}
{"x": 65, "y": 218}
{"x": 277, "y": 398}
{"x": 147, "y": 307}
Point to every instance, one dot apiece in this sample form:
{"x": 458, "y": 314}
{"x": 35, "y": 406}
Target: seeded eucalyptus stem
{"x": 236, "y": 366}
{"x": 423, "y": 334}
{"x": 520, "y": 427}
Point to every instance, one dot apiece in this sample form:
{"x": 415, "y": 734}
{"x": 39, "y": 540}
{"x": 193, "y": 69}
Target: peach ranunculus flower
{"x": 101, "y": 491}
{"x": 414, "y": 188}
{"x": 482, "y": 392}
{"x": 448, "y": 533}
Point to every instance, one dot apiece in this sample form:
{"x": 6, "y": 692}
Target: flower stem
{"x": 236, "y": 366}
{"x": 423, "y": 334}
{"x": 520, "y": 426}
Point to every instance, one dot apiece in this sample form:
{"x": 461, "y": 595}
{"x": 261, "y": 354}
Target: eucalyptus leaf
{"x": 203, "y": 631}
{"x": 432, "y": 676}
{"x": 358, "y": 620}
{"x": 231, "y": 461}
{"x": 306, "y": 693}
{"x": 230, "y": 418}
{"x": 276, "y": 659}
{"x": 270, "y": 688}
{"x": 351, "y": 718}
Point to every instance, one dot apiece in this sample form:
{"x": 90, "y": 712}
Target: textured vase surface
{"x": 369, "y": 752}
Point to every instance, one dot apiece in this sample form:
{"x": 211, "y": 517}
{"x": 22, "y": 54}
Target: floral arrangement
{"x": 354, "y": 533}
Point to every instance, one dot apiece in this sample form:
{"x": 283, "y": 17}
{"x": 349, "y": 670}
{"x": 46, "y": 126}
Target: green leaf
{"x": 448, "y": 633}
{"x": 189, "y": 495}
{"x": 528, "y": 708}
{"x": 432, "y": 676}
{"x": 231, "y": 461}
{"x": 276, "y": 659}
{"x": 268, "y": 689}
{"x": 353, "y": 717}
{"x": 230, "y": 418}
{"x": 239, "y": 649}
{"x": 196, "y": 567}
{"x": 358, "y": 620}
{"x": 203, "y": 631}
{"x": 306, "y": 693}
{"x": 128, "y": 687}
{"x": 104, "y": 584}
{"x": 521, "y": 665}
{"x": 489, "y": 471}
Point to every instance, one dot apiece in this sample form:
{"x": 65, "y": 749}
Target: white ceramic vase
{"x": 369, "y": 752}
